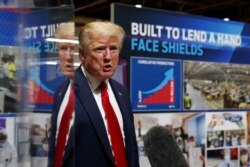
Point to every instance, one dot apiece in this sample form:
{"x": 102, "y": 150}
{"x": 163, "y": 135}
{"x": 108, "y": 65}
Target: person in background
{"x": 187, "y": 101}
{"x": 242, "y": 139}
{"x": 11, "y": 67}
{"x": 191, "y": 142}
{"x": 228, "y": 140}
{"x": 8, "y": 155}
{"x": 227, "y": 160}
{"x": 59, "y": 154}
{"x": 12, "y": 73}
{"x": 244, "y": 158}
{"x": 104, "y": 126}
{"x": 181, "y": 137}
{"x": 220, "y": 140}
{"x": 180, "y": 143}
{"x": 227, "y": 99}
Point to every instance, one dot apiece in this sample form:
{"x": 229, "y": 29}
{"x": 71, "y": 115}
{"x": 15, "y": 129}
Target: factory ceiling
{"x": 221, "y": 72}
{"x": 236, "y": 10}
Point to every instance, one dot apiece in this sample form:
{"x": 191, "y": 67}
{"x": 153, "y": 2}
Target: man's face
{"x": 66, "y": 55}
{"x": 100, "y": 57}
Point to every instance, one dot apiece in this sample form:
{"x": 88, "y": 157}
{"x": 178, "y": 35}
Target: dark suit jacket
{"x": 68, "y": 159}
{"x": 90, "y": 145}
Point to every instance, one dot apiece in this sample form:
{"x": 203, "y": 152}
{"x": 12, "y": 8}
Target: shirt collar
{"x": 94, "y": 83}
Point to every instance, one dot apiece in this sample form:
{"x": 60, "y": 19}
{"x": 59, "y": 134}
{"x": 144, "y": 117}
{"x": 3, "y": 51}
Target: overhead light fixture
{"x": 138, "y": 5}
{"x": 62, "y": 40}
{"x": 226, "y": 19}
{"x": 76, "y": 64}
{"x": 51, "y": 62}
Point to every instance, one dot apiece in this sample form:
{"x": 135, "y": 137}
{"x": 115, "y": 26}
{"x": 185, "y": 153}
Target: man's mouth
{"x": 70, "y": 68}
{"x": 107, "y": 67}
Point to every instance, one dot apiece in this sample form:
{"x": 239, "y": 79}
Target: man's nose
{"x": 69, "y": 52}
{"x": 107, "y": 54}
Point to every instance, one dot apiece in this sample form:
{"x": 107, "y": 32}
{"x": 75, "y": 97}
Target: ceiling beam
{"x": 82, "y": 20}
{"x": 98, "y": 2}
{"x": 213, "y": 6}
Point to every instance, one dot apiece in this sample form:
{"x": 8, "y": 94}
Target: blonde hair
{"x": 66, "y": 29}
{"x": 100, "y": 28}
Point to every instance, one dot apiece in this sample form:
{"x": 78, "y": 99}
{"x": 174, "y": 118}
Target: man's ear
{"x": 81, "y": 54}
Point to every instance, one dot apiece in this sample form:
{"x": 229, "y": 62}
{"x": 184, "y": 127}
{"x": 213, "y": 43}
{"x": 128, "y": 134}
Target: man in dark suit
{"x": 64, "y": 34}
{"x": 100, "y": 45}
{"x": 92, "y": 142}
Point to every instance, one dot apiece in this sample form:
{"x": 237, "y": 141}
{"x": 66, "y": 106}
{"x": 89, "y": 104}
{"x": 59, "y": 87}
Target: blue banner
{"x": 182, "y": 36}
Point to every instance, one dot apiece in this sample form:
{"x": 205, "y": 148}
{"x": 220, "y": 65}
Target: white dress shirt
{"x": 94, "y": 84}
{"x": 61, "y": 111}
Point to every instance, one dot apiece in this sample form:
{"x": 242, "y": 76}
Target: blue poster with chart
{"x": 155, "y": 84}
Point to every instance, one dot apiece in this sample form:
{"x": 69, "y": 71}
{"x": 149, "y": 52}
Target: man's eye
{"x": 63, "y": 48}
{"x": 99, "y": 50}
{"x": 113, "y": 49}
{"x": 113, "y": 46}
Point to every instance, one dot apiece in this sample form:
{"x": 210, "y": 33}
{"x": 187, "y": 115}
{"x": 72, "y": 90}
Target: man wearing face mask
{"x": 180, "y": 137}
{"x": 244, "y": 158}
{"x": 242, "y": 139}
{"x": 227, "y": 160}
{"x": 180, "y": 144}
{"x": 8, "y": 155}
{"x": 179, "y": 132}
{"x": 228, "y": 141}
{"x": 191, "y": 142}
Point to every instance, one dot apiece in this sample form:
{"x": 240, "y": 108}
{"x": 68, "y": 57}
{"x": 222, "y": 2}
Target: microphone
{"x": 162, "y": 149}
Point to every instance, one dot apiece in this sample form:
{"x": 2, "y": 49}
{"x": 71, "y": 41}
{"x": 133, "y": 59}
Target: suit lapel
{"x": 121, "y": 102}
{"x": 84, "y": 94}
{"x": 127, "y": 123}
{"x": 61, "y": 94}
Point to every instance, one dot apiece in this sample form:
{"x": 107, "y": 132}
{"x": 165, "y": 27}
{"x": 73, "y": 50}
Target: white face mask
{"x": 178, "y": 133}
{"x": 243, "y": 158}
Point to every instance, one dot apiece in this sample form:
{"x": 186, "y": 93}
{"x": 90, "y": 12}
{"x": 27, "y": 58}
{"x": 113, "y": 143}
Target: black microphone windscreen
{"x": 162, "y": 149}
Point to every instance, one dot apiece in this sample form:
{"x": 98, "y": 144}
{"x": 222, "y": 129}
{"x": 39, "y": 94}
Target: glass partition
{"x": 30, "y": 72}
